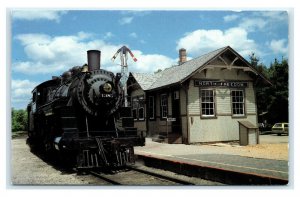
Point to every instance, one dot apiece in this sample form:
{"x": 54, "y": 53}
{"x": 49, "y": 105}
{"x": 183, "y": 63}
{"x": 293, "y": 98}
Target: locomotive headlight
{"x": 107, "y": 87}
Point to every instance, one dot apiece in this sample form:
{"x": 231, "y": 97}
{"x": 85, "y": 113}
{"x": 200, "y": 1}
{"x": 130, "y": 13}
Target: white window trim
{"x": 161, "y": 106}
{"x": 134, "y": 108}
{"x": 137, "y": 107}
{"x": 214, "y": 104}
{"x": 232, "y": 110}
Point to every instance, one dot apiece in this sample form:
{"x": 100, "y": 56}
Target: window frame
{"x": 134, "y": 107}
{"x": 163, "y": 106}
{"x": 208, "y": 102}
{"x": 137, "y": 105}
{"x": 236, "y": 103}
{"x": 141, "y": 106}
{"x": 151, "y": 108}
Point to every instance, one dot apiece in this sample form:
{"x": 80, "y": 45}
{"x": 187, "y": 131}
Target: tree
{"x": 279, "y": 92}
{"x": 19, "y": 120}
{"x": 273, "y": 99}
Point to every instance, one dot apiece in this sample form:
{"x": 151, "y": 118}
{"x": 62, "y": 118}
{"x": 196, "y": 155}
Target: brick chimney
{"x": 182, "y": 56}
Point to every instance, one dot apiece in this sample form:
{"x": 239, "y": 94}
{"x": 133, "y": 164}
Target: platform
{"x": 214, "y": 163}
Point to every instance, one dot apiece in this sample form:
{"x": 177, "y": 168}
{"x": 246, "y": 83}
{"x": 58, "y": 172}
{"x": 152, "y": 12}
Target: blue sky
{"x": 46, "y": 43}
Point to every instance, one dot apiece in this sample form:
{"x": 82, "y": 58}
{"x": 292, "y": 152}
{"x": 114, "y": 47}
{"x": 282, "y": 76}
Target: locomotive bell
{"x": 93, "y": 57}
{"x": 85, "y": 68}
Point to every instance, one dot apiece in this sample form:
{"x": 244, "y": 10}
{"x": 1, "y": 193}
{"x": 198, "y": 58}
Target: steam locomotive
{"x": 81, "y": 117}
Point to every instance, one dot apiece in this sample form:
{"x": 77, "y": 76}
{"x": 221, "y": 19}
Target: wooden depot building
{"x": 197, "y": 101}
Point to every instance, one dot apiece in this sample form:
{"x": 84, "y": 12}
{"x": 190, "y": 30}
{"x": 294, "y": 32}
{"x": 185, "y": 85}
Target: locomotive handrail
{"x": 66, "y": 82}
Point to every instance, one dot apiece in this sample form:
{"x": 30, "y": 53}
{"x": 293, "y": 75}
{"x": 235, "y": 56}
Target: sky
{"x": 45, "y": 43}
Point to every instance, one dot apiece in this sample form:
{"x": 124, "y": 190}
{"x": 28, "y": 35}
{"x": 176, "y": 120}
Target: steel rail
{"x": 172, "y": 179}
{"x": 104, "y": 178}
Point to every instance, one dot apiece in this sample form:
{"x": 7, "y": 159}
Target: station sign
{"x": 228, "y": 84}
{"x": 171, "y": 119}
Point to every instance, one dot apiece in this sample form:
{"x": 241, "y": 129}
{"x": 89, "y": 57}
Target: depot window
{"x": 164, "y": 106}
{"x": 238, "y": 102}
{"x": 137, "y": 104}
{"x": 207, "y": 103}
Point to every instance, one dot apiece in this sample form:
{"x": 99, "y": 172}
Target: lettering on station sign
{"x": 171, "y": 119}
{"x": 229, "y": 84}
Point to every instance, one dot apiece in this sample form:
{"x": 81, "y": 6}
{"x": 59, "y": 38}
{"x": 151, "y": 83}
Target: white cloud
{"x": 48, "y": 54}
{"x": 126, "y": 20}
{"x": 108, "y": 35}
{"x": 274, "y": 15}
{"x": 21, "y": 90}
{"x": 133, "y": 35}
{"x": 148, "y": 63}
{"x": 253, "y": 24}
{"x": 279, "y": 46}
{"x": 53, "y": 15}
{"x": 202, "y": 41}
{"x": 54, "y": 55}
{"x": 231, "y": 17}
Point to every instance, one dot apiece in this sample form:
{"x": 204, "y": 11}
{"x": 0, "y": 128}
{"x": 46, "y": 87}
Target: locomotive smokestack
{"x": 93, "y": 57}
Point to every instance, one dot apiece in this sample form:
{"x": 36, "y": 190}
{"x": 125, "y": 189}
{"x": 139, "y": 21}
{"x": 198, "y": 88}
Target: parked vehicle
{"x": 280, "y": 128}
{"x": 264, "y": 128}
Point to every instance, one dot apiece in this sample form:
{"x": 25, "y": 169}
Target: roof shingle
{"x": 175, "y": 74}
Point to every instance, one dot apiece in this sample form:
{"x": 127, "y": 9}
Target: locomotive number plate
{"x": 106, "y": 95}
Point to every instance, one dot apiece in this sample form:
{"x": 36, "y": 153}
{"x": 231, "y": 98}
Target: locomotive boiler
{"x": 81, "y": 117}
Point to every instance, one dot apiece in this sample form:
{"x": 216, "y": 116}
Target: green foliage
{"x": 273, "y": 99}
{"x": 19, "y": 120}
{"x": 279, "y": 92}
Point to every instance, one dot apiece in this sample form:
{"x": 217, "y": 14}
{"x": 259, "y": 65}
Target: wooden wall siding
{"x": 184, "y": 128}
{"x": 170, "y": 95}
{"x": 153, "y": 128}
{"x": 224, "y": 128}
{"x": 140, "y": 125}
{"x": 137, "y": 92}
{"x": 193, "y": 99}
{"x": 182, "y": 101}
{"x": 250, "y": 100}
{"x": 157, "y": 105}
{"x": 223, "y": 101}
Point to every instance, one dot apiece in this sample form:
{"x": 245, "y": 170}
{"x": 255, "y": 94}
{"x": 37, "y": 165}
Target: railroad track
{"x": 138, "y": 176}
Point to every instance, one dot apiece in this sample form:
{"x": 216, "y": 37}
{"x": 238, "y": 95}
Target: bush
{"x": 19, "y": 120}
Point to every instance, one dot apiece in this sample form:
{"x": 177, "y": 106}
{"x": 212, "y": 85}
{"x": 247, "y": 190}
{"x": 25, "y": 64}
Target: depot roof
{"x": 180, "y": 73}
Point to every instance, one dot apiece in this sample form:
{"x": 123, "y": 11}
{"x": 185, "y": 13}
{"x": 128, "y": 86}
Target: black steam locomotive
{"x": 81, "y": 116}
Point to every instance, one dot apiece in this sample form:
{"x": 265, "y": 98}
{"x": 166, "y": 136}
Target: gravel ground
{"x": 271, "y": 147}
{"x": 265, "y": 151}
{"x": 28, "y": 169}
{"x": 23, "y": 161}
